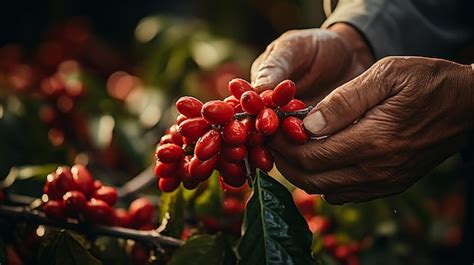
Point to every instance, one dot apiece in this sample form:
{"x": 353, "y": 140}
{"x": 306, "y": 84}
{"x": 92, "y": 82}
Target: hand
{"x": 412, "y": 114}
{"x": 317, "y": 60}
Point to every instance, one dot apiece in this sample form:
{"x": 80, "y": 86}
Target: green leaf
{"x": 64, "y": 248}
{"x": 274, "y": 232}
{"x": 172, "y": 212}
{"x": 27, "y": 172}
{"x": 110, "y": 250}
{"x": 3, "y": 252}
{"x": 201, "y": 249}
{"x": 209, "y": 203}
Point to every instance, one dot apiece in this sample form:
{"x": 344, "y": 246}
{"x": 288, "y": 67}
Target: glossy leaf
{"x": 209, "y": 203}
{"x": 274, "y": 232}
{"x": 201, "y": 249}
{"x": 63, "y": 248}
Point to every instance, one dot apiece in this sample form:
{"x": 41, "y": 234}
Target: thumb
{"x": 272, "y": 67}
{"x": 346, "y": 104}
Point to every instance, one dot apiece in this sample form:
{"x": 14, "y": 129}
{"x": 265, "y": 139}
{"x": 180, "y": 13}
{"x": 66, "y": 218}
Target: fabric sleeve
{"x": 437, "y": 28}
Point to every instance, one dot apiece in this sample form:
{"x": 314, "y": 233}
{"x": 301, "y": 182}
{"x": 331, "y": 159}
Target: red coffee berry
{"x": 75, "y": 201}
{"x": 65, "y": 181}
{"x": 99, "y": 212}
{"x": 166, "y": 139}
{"x": 267, "y": 99}
{"x": 83, "y": 179}
{"x": 249, "y": 124}
{"x": 284, "y": 92}
{"x": 55, "y": 209}
{"x": 238, "y": 108}
{"x": 165, "y": 170}
{"x": 260, "y": 157}
{"x": 267, "y": 122}
{"x": 188, "y": 141}
{"x": 354, "y": 247}
{"x": 141, "y": 212}
{"x": 293, "y": 105}
{"x": 234, "y": 133}
{"x": 180, "y": 119}
{"x": 168, "y": 184}
{"x": 183, "y": 169}
{"x": 193, "y": 128}
{"x": 238, "y": 86}
{"x": 208, "y": 145}
{"x": 50, "y": 187}
{"x": 139, "y": 254}
{"x": 202, "y": 170}
{"x": 107, "y": 194}
{"x": 232, "y": 174}
{"x": 191, "y": 184}
{"x": 122, "y": 218}
{"x": 231, "y": 100}
{"x": 233, "y": 206}
{"x": 341, "y": 252}
{"x": 294, "y": 130}
{"x": 234, "y": 153}
{"x": 97, "y": 184}
{"x": 189, "y": 106}
{"x": 169, "y": 153}
{"x": 319, "y": 224}
{"x": 330, "y": 242}
{"x": 251, "y": 102}
{"x": 256, "y": 139}
{"x": 217, "y": 112}
{"x": 175, "y": 135}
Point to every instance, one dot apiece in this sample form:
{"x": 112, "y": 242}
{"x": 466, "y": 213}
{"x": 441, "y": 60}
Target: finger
{"x": 336, "y": 181}
{"x": 350, "y": 101}
{"x": 283, "y": 58}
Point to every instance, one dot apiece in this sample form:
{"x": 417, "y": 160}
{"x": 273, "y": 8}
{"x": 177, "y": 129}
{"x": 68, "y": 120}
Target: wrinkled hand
{"x": 412, "y": 114}
{"x": 316, "y": 60}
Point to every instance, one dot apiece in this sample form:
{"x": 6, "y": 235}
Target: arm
{"x": 403, "y": 27}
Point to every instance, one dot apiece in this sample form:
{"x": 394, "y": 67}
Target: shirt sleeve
{"x": 437, "y": 28}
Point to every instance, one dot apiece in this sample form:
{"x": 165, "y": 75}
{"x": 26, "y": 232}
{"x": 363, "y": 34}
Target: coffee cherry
{"x": 341, "y": 252}
{"x": 330, "y": 242}
{"x": 65, "y": 181}
{"x": 83, "y": 179}
{"x": 122, "y": 218}
{"x": 251, "y": 102}
{"x": 231, "y": 100}
{"x": 165, "y": 170}
{"x": 234, "y": 133}
{"x": 193, "y": 128}
{"x": 183, "y": 169}
{"x": 97, "y": 184}
{"x": 232, "y": 174}
{"x": 267, "y": 99}
{"x": 176, "y": 137}
{"x": 106, "y": 194}
{"x": 191, "y": 184}
{"x": 141, "y": 212}
{"x": 169, "y": 153}
{"x": 168, "y": 184}
{"x": 233, "y": 206}
{"x": 188, "y": 141}
{"x": 319, "y": 224}
{"x": 202, "y": 170}
{"x": 284, "y": 92}
{"x": 256, "y": 139}
{"x": 249, "y": 124}
{"x": 238, "y": 108}
{"x": 166, "y": 139}
{"x": 267, "y": 122}
{"x": 189, "y": 106}
{"x": 234, "y": 153}
{"x": 55, "y": 209}
{"x": 293, "y": 105}
{"x": 75, "y": 201}
{"x": 238, "y": 86}
{"x": 294, "y": 131}
{"x": 50, "y": 187}
{"x": 217, "y": 112}
{"x": 208, "y": 145}
{"x": 180, "y": 119}
{"x": 99, "y": 212}
{"x": 260, "y": 157}
{"x": 139, "y": 254}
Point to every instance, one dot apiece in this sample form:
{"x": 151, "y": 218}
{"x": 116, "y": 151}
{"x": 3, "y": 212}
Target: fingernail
{"x": 315, "y": 122}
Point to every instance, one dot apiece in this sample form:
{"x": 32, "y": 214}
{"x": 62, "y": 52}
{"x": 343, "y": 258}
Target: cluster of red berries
{"x": 223, "y": 134}
{"x": 73, "y": 193}
{"x": 346, "y": 253}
